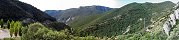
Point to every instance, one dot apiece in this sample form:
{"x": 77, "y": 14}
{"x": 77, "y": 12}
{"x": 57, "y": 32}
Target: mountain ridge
{"x": 70, "y": 14}
{"x": 131, "y": 15}
{"x": 24, "y": 10}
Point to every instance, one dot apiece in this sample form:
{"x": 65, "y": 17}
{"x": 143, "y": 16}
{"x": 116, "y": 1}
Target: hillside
{"x": 67, "y": 16}
{"x": 14, "y": 10}
{"x": 131, "y": 18}
{"x": 18, "y": 11}
{"x": 134, "y": 21}
{"x": 52, "y": 12}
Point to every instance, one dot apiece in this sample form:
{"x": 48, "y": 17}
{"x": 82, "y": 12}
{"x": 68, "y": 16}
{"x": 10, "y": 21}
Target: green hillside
{"x": 136, "y": 16}
{"x": 84, "y": 20}
{"x": 134, "y": 21}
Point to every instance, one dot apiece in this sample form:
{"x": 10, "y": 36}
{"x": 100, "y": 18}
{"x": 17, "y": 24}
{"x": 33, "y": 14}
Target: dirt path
{"x": 4, "y": 33}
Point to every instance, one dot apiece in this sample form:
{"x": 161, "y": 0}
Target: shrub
{"x": 38, "y": 31}
{"x": 174, "y": 34}
{"x": 29, "y": 32}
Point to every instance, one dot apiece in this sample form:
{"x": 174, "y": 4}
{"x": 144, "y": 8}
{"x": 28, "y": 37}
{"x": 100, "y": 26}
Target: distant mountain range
{"x": 134, "y": 21}
{"x": 70, "y": 14}
{"x": 53, "y": 12}
{"x": 104, "y": 21}
{"x": 131, "y": 20}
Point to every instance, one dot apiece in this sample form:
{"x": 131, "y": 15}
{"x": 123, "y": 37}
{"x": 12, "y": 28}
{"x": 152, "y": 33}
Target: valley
{"x": 133, "y": 21}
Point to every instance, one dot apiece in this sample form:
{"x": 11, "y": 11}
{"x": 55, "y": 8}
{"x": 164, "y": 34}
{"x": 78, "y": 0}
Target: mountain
{"x": 18, "y": 11}
{"x": 129, "y": 19}
{"x": 71, "y": 14}
{"x": 27, "y": 14}
{"x": 134, "y": 21}
{"x": 52, "y": 12}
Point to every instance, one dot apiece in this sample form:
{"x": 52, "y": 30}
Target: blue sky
{"x": 67, "y": 4}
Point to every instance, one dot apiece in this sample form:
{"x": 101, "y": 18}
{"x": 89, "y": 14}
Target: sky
{"x": 67, "y": 4}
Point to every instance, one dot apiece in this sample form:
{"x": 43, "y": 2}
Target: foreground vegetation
{"x": 37, "y": 31}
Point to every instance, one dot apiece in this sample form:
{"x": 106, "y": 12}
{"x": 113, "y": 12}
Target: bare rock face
{"x": 167, "y": 27}
{"x": 172, "y": 20}
{"x": 177, "y": 13}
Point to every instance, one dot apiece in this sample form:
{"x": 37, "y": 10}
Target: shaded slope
{"x": 52, "y": 12}
{"x": 16, "y": 10}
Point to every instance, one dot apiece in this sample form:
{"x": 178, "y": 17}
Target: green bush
{"x": 29, "y": 32}
{"x": 39, "y": 32}
{"x": 174, "y": 35}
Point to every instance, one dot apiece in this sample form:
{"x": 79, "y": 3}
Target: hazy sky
{"x": 66, "y": 4}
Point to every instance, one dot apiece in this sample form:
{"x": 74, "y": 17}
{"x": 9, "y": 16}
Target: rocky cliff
{"x": 171, "y": 21}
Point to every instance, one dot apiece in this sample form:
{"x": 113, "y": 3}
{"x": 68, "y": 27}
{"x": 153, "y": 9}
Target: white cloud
{"x": 66, "y": 4}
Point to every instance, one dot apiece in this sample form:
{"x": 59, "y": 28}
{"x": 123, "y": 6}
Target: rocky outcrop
{"x": 172, "y": 20}
{"x": 167, "y": 27}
